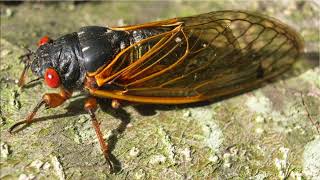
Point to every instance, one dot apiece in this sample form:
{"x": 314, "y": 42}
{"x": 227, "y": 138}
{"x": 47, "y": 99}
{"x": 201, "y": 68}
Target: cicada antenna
{"x": 26, "y": 59}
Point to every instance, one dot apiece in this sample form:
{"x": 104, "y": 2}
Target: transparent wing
{"x": 208, "y": 56}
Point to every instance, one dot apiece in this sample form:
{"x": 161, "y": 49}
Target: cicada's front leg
{"x": 90, "y": 106}
{"x": 50, "y": 100}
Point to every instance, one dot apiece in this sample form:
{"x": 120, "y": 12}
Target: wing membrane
{"x": 208, "y": 56}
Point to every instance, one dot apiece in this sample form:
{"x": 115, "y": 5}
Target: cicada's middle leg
{"x": 90, "y": 106}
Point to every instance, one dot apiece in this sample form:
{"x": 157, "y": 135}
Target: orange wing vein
{"x": 201, "y": 57}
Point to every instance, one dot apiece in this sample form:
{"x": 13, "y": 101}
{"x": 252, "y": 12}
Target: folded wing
{"x": 203, "y": 57}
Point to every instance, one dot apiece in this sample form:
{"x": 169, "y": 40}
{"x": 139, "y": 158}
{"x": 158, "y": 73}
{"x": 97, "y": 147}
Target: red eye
{"x": 44, "y": 40}
{"x": 52, "y": 78}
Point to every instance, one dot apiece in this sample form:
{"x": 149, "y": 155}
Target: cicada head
{"x": 56, "y": 61}
{"x": 42, "y": 59}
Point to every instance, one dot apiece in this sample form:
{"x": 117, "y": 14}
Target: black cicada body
{"x": 76, "y": 54}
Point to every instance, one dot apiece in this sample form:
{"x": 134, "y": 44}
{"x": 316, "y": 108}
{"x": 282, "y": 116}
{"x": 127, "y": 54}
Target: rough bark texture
{"x": 267, "y": 133}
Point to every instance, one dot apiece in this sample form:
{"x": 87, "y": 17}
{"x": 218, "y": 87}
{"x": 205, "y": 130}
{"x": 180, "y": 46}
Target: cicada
{"x": 175, "y": 61}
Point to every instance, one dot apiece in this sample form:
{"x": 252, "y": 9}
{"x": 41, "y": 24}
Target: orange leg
{"x": 50, "y": 100}
{"x": 90, "y": 106}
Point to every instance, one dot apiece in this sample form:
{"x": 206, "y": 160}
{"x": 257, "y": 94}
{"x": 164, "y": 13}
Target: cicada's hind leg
{"x": 90, "y": 106}
{"x": 50, "y": 100}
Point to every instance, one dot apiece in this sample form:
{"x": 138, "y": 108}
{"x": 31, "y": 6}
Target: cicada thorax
{"x": 103, "y": 47}
{"x": 99, "y": 45}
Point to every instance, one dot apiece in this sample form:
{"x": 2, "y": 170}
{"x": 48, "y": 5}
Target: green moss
{"x": 43, "y": 133}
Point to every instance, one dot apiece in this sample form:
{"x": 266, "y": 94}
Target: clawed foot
{"x": 13, "y": 127}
